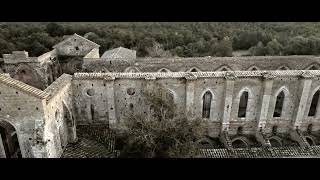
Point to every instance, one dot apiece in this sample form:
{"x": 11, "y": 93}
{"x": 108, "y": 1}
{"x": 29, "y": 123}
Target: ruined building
{"x": 261, "y": 103}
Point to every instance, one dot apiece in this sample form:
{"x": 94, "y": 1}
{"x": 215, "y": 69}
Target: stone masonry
{"x": 247, "y": 101}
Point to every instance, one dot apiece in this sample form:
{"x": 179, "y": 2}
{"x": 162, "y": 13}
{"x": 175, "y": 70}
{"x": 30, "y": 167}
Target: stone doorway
{"x": 9, "y": 143}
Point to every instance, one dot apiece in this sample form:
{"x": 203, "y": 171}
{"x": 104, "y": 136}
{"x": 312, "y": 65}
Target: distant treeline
{"x": 170, "y": 39}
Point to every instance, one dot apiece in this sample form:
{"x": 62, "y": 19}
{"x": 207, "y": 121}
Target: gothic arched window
{"x": 279, "y": 104}
{"x": 206, "y": 99}
{"x": 314, "y": 104}
{"x": 243, "y": 104}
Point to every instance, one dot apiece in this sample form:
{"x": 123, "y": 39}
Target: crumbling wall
{"x": 60, "y": 123}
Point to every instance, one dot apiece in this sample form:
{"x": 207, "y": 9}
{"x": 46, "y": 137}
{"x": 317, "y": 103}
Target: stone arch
{"x": 164, "y": 70}
{"x": 224, "y": 68}
{"x": 253, "y": 68}
{"x": 283, "y": 67}
{"x": 314, "y": 107}
{"x": 10, "y": 145}
{"x": 194, "y": 69}
{"x": 280, "y": 101}
{"x": 244, "y": 101}
{"x": 310, "y": 140}
{"x": 28, "y": 75}
{"x": 131, "y": 70}
{"x": 275, "y": 141}
{"x": 207, "y": 104}
{"x": 240, "y": 142}
{"x": 313, "y": 66}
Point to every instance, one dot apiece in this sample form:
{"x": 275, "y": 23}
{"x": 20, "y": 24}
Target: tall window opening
{"x": 92, "y": 111}
{"x": 314, "y": 104}
{"x": 279, "y": 105}
{"x": 9, "y": 139}
{"x": 207, "y": 97}
{"x": 243, "y": 104}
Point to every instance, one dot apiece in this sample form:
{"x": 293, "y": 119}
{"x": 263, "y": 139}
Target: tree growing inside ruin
{"x": 162, "y": 132}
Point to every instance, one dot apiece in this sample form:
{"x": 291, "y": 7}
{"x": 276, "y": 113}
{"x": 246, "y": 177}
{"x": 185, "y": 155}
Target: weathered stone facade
{"x": 247, "y": 101}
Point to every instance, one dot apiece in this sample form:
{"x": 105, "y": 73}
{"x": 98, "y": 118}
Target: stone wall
{"x": 60, "y": 125}
{"x": 188, "y": 90}
{"x": 75, "y": 46}
{"x": 24, "y": 112}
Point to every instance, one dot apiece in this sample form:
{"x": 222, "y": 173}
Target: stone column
{"x": 190, "y": 88}
{"x": 111, "y": 100}
{"x": 268, "y": 83}
{"x": 2, "y": 150}
{"x": 149, "y": 88}
{"x": 305, "y": 86}
{"x": 230, "y": 78}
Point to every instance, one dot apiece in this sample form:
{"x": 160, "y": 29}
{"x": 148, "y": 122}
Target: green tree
{"x": 223, "y": 48}
{"x": 298, "y": 45}
{"x": 162, "y": 133}
{"x": 258, "y": 50}
{"x": 55, "y": 29}
{"x": 274, "y": 48}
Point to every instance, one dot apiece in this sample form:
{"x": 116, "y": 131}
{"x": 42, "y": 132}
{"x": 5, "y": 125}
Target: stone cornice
{"x": 229, "y": 75}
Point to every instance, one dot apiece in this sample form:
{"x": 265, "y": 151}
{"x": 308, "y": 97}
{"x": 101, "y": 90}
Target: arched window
{"x": 243, "y": 104}
{"x": 279, "y": 104}
{"x": 314, "y": 104}
{"x": 224, "y": 69}
{"x": 253, "y": 69}
{"x": 238, "y": 143}
{"x": 92, "y": 111}
{"x": 207, "y": 97}
{"x": 9, "y": 141}
{"x": 163, "y": 70}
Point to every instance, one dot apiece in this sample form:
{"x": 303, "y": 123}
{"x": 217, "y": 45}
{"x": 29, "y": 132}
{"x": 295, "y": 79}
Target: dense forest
{"x": 183, "y": 39}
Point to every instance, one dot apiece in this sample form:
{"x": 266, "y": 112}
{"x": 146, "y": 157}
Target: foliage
{"x": 185, "y": 39}
{"x": 162, "y": 133}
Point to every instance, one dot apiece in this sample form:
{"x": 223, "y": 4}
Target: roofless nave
{"x": 247, "y": 101}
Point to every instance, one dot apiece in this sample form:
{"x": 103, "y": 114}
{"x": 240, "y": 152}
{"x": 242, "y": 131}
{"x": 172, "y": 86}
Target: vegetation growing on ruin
{"x": 161, "y": 133}
{"x": 170, "y": 39}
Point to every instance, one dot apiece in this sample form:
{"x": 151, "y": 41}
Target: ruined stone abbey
{"x": 248, "y": 102}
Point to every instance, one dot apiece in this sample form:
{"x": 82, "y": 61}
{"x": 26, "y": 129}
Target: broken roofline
{"x": 192, "y": 75}
{"x": 47, "y": 94}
